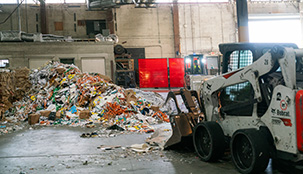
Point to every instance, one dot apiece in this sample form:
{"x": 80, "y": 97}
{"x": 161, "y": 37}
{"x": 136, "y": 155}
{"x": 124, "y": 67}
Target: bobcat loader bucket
{"x": 183, "y": 123}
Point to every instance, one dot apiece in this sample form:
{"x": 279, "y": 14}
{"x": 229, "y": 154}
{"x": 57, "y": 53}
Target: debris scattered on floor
{"x": 123, "y": 170}
{"x": 115, "y": 127}
{"x": 62, "y": 95}
{"x": 88, "y": 135}
{"x": 85, "y": 163}
{"x": 104, "y": 147}
{"x": 140, "y": 147}
{"x": 159, "y": 138}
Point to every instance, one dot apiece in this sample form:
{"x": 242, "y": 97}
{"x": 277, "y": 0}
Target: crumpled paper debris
{"x": 70, "y": 97}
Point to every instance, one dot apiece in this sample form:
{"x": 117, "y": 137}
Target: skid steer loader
{"x": 255, "y": 108}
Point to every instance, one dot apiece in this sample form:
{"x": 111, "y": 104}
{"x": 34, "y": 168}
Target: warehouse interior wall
{"x": 150, "y": 28}
{"x": 66, "y": 16}
{"x": 71, "y": 15}
{"x": 29, "y": 20}
{"x": 202, "y": 26}
{"x": 35, "y": 54}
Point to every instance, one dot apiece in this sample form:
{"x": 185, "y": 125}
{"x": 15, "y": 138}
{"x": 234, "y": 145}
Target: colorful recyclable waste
{"x": 62, "y": 95}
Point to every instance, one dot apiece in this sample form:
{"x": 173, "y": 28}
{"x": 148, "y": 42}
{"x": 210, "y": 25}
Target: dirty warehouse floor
{"x": 62, "y": 150}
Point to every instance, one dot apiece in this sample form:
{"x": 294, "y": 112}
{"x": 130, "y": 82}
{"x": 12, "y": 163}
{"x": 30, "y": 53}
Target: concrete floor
{"x": 62, "y": 150}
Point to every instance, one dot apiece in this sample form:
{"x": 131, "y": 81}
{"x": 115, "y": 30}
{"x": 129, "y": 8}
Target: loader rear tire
{"x": 249, "y": 151}
{"x": 209, "y": 141}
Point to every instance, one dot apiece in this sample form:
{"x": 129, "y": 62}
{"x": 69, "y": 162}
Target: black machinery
{"x": 125, "y": 72}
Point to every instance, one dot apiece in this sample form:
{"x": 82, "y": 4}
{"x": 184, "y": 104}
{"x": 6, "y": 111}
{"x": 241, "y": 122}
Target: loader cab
{"x": 238, "y": 55}
{"x": 194, "y": 64}
{"x": 200, "y": 64}
{"x": 199, "y": 67}
{"x": 238, "y": 99}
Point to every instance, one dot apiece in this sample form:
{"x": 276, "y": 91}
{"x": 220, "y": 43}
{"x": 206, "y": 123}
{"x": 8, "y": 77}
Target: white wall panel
{"x": 93, "y": 65}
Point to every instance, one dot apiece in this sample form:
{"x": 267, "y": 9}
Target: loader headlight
{"x": 187, "y": 60}
{"x": 203, "y": 60}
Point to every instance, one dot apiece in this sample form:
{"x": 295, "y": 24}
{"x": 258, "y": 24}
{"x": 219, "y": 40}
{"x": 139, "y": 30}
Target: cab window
{"x": 239, "y": 59}
{"x": 237, "y": 100}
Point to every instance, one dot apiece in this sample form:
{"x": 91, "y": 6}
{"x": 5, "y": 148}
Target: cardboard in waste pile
{"x": 103, "y": 89}
{"x": 3, "y": 108}
{"x": 155, "y": 108}
{"x": 22, "y": 83}
{"x": 58, "y": 115}
{"x": 7, "y": 91}
{"x": 22, "y": 72}
{"x": 6, "y": 103}
{"x": 61, "y": 92}
{"x": 60, "y": 70}
{"x": 106, "y": 78}
{"x": 1, "y": 114}
{"x": 85, "y": 114}
{"x": 129, "y": 91}
{"x": 33, "y": 118}
{"x": 130, "y": 96}
{"x": 45, "y": 113}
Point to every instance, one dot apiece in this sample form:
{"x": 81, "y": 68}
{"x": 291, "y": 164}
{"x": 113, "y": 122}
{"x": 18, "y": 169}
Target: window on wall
{"x": 67, "y": 60}
{"x": 4, "y": 63}
{"x": 94, "y": 27}
{"x": 275, "y": 28}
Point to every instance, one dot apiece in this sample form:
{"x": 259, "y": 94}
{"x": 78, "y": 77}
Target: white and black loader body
{"x": 255, "y": 111}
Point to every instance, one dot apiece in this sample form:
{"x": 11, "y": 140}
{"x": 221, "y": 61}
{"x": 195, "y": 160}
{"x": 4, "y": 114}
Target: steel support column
{"x": 19, "y": 17}
{"x": 110, "y": 20}
{"x": 175, "y": 10}
{"x": 43, "y": 17}
{"x": 242, "y": 17}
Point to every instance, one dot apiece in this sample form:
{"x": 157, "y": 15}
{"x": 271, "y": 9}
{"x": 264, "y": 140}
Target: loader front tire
{"x": 209, "y": 141}
{"x": 249, "y": 151}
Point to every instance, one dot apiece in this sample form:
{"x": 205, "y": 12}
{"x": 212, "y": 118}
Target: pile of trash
{"x": 62, "y": 95}
{"x": 13, "y": 85}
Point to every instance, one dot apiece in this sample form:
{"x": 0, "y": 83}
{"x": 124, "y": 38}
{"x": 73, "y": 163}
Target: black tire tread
{"x": 217, "y": 136}
{"x": 261, "y": 151}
